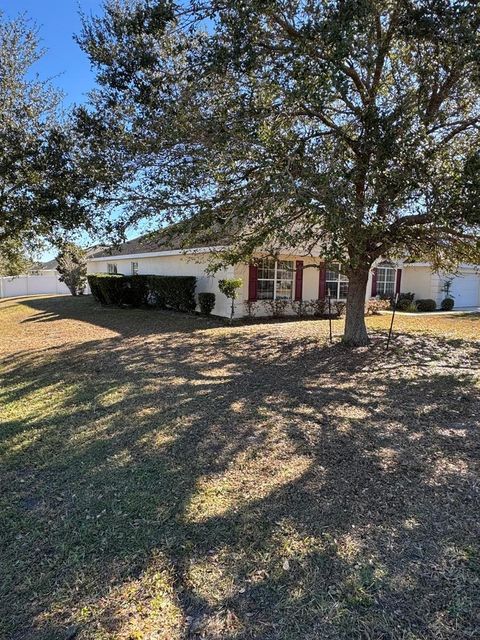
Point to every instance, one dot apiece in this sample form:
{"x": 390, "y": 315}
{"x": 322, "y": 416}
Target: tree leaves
{"x": 295, "y": 124}
{"x": 41, "y": 188}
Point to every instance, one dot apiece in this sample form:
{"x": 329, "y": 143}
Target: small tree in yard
{"x": 348, "y": 127}
{"x": 72, "y": 267}
{"x": 230, "y": 288}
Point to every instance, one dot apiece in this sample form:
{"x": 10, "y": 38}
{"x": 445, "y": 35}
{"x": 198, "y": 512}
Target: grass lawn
{"x": 166, "y": 477}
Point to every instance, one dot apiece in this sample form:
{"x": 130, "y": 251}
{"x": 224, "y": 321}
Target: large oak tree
{"x": 345, "y": 126}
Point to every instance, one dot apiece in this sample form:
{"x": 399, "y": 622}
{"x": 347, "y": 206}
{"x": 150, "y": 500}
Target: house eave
{"x": 157, "y": 254}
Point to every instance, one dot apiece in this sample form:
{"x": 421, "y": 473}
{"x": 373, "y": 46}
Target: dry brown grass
{"x": 168, "y": 477}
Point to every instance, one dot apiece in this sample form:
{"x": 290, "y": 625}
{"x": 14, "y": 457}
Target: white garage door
{"x": 466, "y": 289}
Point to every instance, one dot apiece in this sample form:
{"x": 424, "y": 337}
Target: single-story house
{"x": 291, "y": 277}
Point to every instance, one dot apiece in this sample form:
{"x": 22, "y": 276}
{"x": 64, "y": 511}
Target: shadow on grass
{"x": 85, "y": 308}
{"x": 237, "y": 486}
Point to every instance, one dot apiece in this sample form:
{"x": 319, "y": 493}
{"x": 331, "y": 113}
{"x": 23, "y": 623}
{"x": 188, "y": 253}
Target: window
{"x": 134, "y": 268}
{"x": 336, "y": 283}
{"x": 275, "y": 279}
{"x": 111, "y": 268}
{"x": 386, "y": 274}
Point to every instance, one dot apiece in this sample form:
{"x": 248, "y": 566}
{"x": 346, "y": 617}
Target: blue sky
{"x": 58, "y": 21}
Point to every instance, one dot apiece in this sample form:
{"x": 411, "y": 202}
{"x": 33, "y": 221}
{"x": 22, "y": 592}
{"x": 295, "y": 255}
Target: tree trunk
{"x": 355, "y": 334}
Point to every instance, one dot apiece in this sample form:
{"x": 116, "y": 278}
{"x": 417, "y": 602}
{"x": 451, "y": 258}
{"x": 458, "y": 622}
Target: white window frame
{"x": 382, "y": 282}
{"x": 112, "y": 268}
{"x": 275, "y": 280}
{"x": 134, "y": 268}
{"x": 339, "y": 279}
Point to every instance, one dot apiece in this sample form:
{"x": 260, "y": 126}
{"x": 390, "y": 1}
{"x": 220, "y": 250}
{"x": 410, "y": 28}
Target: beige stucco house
{"x": 292, "y": 277}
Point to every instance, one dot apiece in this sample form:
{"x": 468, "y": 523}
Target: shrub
{"x": 426, "y": 305}
{"x": 447, "y": 304}
{"x": 230, "y": 287}
{"x": 406, "y": 296}
{"x": 277, "y": 308}
{"x": 411, "y": 307}
{"x": 173, "y": 292}
{"x": 206, "y": 302}
{"x": 133, "y": 291}
{"x": 404, "y": 304}
{"x": 118, "y": 289}
{"x": 95, "y": 288}
{"x": 251, "y": 307}
{"x": 106, "y": 287}
{"x": 339, "y": 307}
{"x": 319, "y": 307}
{"x": 300, "y": 307}
{"x": 375, "y": 305}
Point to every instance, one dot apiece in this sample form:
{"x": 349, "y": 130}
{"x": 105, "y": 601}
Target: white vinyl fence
{"x": 30, "y": 285}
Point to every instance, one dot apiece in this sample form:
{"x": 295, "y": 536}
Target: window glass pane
{"x": 343, "y": 289}
{"x": 386, "y": 288}
{"x": 336, "y": 282}
{"x": 285, "y": 269}
{"x": 266, "y": 269}
{"x": 390, "y": 275}
{"x": 284, "y": 290}
{"x": 386, "y": 277}
{"x": 332, "y": 289}
{"x": 332, "y": 273}
{"x": 265, "y": 289}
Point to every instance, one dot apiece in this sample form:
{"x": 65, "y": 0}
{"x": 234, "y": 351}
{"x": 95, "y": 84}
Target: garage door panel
{"x": 466, "y": 289}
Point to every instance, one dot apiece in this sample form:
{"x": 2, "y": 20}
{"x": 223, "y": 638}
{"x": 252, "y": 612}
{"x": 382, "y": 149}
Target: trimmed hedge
{"x": 206, "y": 301}
{"x": 426, "y": 305}
{"x": 166, "y": 292}
{"x": 172, "y": 292}
{"x": 447, "y": 304}
{"x": 106, "y": 287}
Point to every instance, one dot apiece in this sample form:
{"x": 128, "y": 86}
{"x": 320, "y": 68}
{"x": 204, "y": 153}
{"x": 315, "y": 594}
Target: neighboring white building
{"x": 37, "y": 282}
{"x": 292, "y": 277}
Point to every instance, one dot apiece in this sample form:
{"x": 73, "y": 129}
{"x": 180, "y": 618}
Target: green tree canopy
{"x": 344, "y": 127}
{"x": 41, "y": 188}
{"x": 14, "y": 258}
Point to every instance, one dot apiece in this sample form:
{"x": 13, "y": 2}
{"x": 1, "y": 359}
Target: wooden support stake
{"x": 391, "y": 323}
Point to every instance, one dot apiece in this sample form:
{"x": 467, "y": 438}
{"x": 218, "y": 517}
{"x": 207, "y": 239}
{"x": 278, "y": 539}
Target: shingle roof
{"x": 52, "y": 264}
{"x": 154, "y": 243}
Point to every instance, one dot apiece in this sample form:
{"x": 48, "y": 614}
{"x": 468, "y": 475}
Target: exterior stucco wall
{"x": 178, "y": 265}
{"x": 420, "y": 281}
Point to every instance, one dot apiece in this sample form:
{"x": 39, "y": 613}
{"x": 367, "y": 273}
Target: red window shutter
{"x": 322, "y": 282}
{"x": 252, "y": 282}
{"x": 299, "y": 280}
{"x": 374, "y": 282}
{"x": 399, "y": 281}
